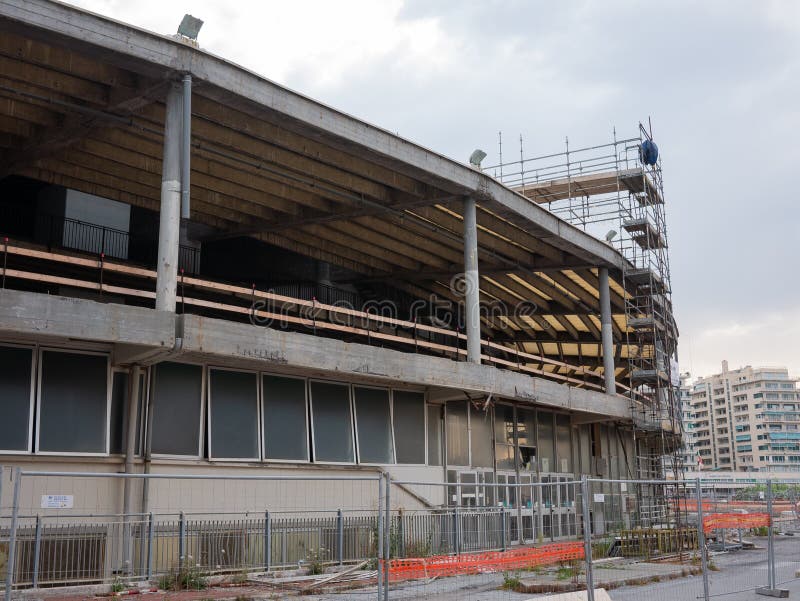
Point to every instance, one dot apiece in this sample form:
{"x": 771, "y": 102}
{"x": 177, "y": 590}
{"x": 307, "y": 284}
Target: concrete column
{"x": 607, "y": 332}
{"x": 169, "y": 227}
{"x": 471, "y": 282}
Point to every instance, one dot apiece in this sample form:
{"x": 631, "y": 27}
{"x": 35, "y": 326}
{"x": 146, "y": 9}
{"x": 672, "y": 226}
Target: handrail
{"x": 516, "y": 362}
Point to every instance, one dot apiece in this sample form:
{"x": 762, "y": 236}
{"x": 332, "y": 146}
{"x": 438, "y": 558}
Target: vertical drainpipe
{"x": 169, "y": 226}
{"x": 471, "y": 282}
{"x": 130, "y": 451}
{"x": 607, "y": 332}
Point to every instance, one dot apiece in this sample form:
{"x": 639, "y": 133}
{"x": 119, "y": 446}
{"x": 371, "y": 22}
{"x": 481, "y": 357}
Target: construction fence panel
{"x": 59, "y": 529}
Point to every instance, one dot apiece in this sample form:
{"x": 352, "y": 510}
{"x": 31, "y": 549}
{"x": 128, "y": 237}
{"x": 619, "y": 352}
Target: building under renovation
{"x": 203, "y": 271}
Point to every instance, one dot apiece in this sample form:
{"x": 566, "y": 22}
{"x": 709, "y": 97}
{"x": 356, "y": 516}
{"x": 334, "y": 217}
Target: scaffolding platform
{"x": 644, "y": 233}
{"x": 645, "y": 278}
{"x": 648, "y": 322}
{"x": 635, "y": 181}
{"x": 648, "y": 376}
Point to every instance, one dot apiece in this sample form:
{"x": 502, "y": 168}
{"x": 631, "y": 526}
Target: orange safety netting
{"x": 735, "y": 520}
{"x": 492, "y": 561}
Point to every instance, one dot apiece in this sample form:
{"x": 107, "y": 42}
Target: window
{"x": 374, "y": 425}
{"x": 546, "y": 441}
{"x": 457, "y": 434}
{"x": 332, "y": 422}
{"x": 434, "y": 435}
{"x": 481, "y": 437}
{"x": 119, "y": 407}
{"x": 16, "y": 394}
{"x": 409, "y": 427}
{"x": 504, "y": 437}
{"x": 233, "y": 415}
{"x": 73, "y": 403}
{"x": 285, "y": 418}
{"x": 177, "y": 408}
{"x": 526, "y": 438}
{"x": 564, "y": 443}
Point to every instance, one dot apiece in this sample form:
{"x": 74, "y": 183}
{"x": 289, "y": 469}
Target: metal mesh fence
{"x": 373, "y": 537}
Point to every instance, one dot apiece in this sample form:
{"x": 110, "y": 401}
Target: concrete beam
{"x": 244, "y": 345}
{"x": 132, "y": 46}
{"x": 44, "y": 317}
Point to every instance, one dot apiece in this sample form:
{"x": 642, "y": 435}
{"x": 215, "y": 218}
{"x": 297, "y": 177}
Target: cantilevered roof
{"x": 82, "y": 106}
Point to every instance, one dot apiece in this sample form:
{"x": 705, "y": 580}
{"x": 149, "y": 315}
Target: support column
{"x": 169, "y": 227}
{"x": 607, "y": 332}
{"x": 471, "y": 282}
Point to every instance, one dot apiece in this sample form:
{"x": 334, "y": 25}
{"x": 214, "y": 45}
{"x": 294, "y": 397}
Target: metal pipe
{"x": 379, "y": 570}
{"x": 201, "y": 477}
{"x": 587, "y": 539}
{"x": 388, "y": 534}
{"x": 37, "y": 550}
{"x": 607, "y": 332}
{"x": 770, "y": 542}
{"x": 186, "y": 147}
{"x": 12, "y": 542}
{"x": 169, "y": 226}
{"x": 471, "y": 282}
{"x": 701, "y": 540}
{"x": 130, "y": 453}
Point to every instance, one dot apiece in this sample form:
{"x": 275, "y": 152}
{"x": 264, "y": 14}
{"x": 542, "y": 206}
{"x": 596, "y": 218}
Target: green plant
{"x": 185, "y": 578}
{"x": 568, "y": 571}
{"x": 315, "y": 560}
{"x": 240, "y": 577}
{"x": 511, "y": 582}
{"x": 118, "y": 585}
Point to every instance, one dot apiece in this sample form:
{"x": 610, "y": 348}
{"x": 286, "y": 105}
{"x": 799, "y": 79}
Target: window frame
{"x": 33, "y": 428}
{"x": 424, "y": 425}
{"x": 309, "y": 423}
{"x": 201, "y": 428}
{"x": 355, "y": 422}
{"x": 209, "y": 425}
{"x": 109, "y": 382}
{"x": 310, "y": 397}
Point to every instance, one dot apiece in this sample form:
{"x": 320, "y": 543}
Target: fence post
{"x": 456, "y": 546}
{"x": 182, "y": 539}
{"x": 37, "y": 547}
{"x": 267, "y": 541}
{"x": 587, "y": 538}
{"x": 772, "y": 581}
{"x": 701, "y": 538}
{"x": 12, "y": 542}
{"x": 503, "y": 526}
{"x": 150, "y": 528}
{"x": 401, "y": 534}
{"x": 379, "y": 542}
{"x": 387, "y": 555}
{"x": 340, "y": 535}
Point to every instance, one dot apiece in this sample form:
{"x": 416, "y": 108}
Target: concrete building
{"x": 204, "y": 271}
{"x": 747, "y": 419}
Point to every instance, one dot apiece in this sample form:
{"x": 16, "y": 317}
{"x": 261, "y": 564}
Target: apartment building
{"x": 746, "y": 419}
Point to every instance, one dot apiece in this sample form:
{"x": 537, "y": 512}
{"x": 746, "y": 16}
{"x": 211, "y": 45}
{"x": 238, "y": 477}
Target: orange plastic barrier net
{"x": 735, "y": 520}
{"x": 491, "y": 561}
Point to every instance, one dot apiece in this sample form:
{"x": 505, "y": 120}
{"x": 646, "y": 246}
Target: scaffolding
{"x": 610, "y": 192}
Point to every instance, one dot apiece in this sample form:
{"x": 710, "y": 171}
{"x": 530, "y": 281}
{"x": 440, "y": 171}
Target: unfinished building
{"x": 204, "y": 271}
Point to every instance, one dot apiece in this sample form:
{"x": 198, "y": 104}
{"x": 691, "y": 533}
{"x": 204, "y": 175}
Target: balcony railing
{"x": 35, "y": 269}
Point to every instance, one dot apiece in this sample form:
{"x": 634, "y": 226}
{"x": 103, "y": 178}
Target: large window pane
{"x": 409, "y": 426}
{"x": 119, "y": 406}
{"x": 457, "y": 434}
{"x": 285, "y": 418}
{"x": 481, "y": 437}
{"x": 15, "y": 398}
{"x": 526, "y": 427}
{"x": 333, "y": 424}
{"x": 373, "y": 420}
{"x": 73, "y": 401}
{"x": 563, "y": 443}
{"x": 504, "y": 437}
{"x": 233, "y": 423}
{"x": 546, "y": 446}
{"x": 434, "y": 435}
{"x": 177, "y": 397}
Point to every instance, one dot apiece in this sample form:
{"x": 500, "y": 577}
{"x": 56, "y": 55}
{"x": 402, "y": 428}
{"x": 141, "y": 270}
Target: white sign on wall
{"x": 57, "y": 501}
{"x": 599, "y": 497}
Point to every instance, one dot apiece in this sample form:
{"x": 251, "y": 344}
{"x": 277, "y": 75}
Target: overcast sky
{"x": 721, "y": 81}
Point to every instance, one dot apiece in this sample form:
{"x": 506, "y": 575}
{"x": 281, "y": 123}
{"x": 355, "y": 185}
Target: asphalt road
{"x": 739, "y": 574}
